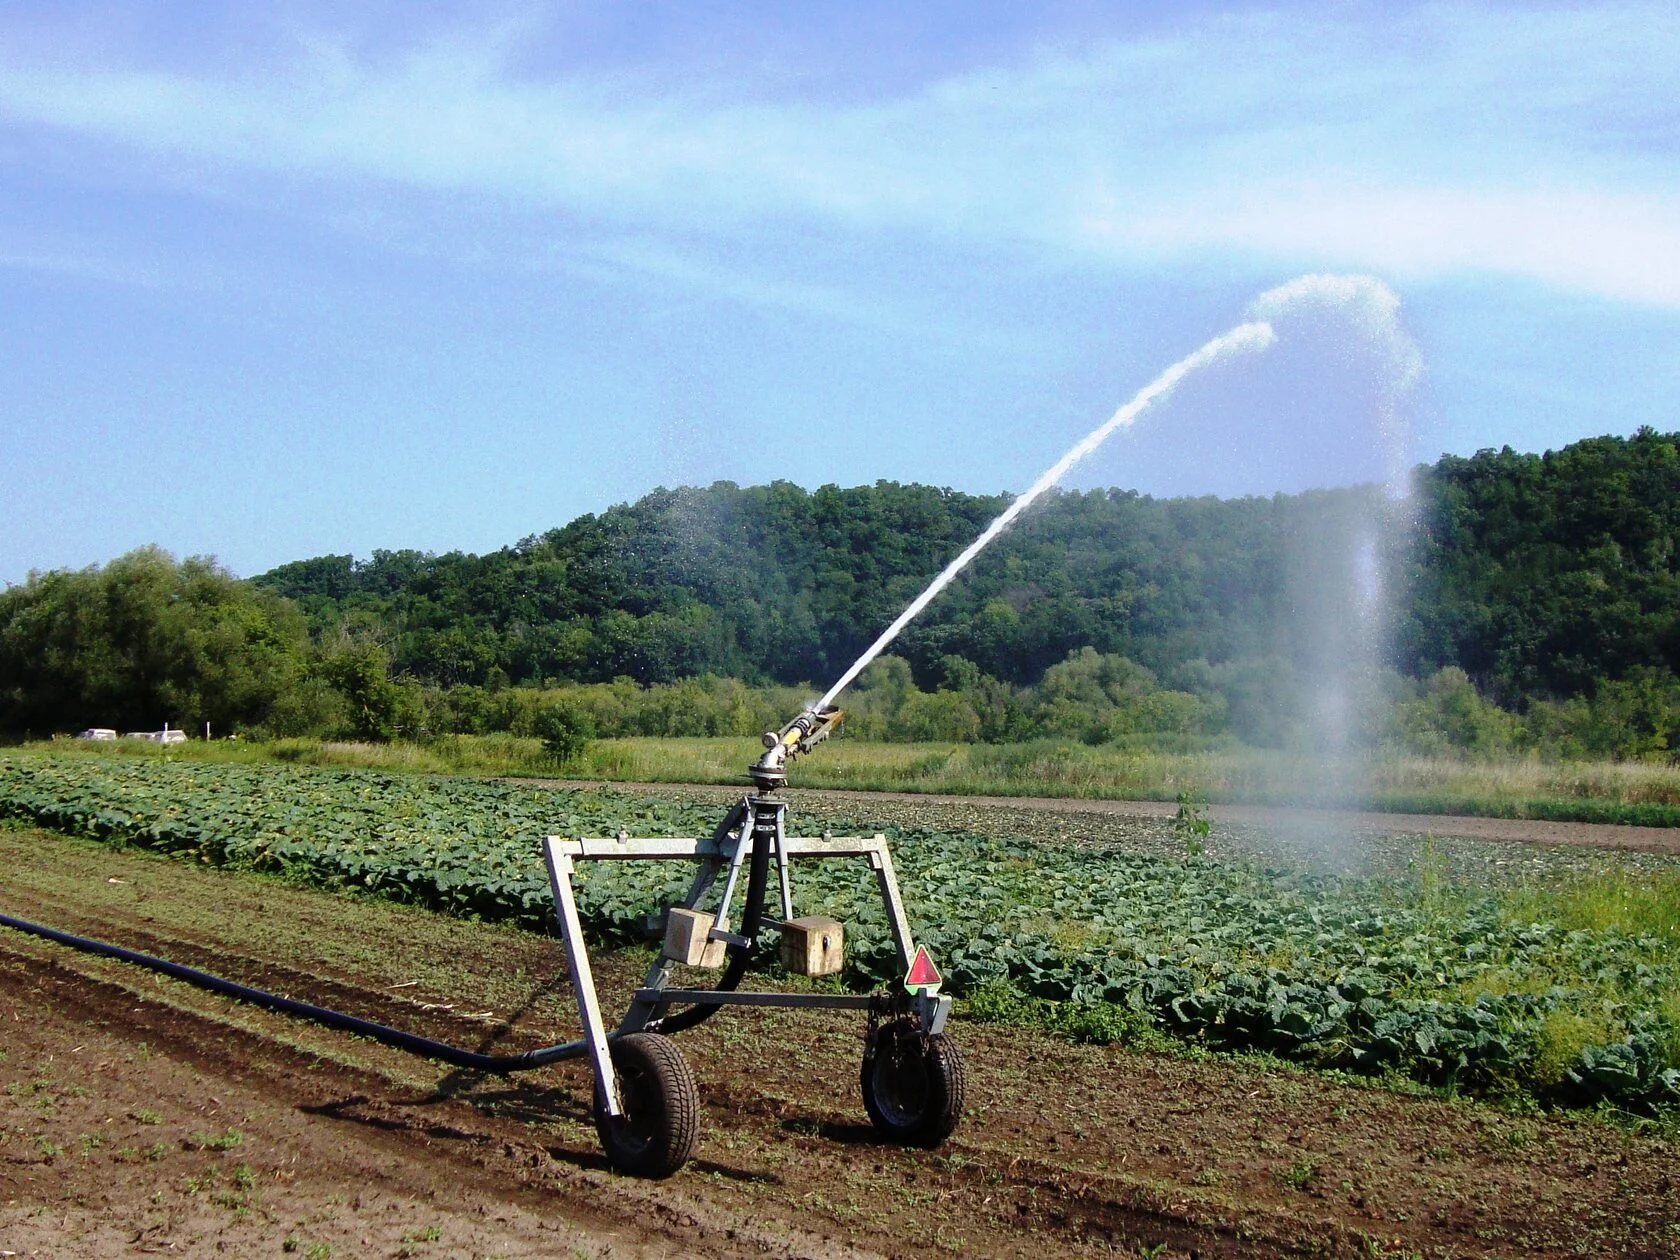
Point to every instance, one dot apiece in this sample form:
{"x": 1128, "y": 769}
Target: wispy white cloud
{"x": 1544, "y": 144}
{"x": 1607, "y": 242}
{"x": 76, "y": 260}
{"x": 663, "y": 266}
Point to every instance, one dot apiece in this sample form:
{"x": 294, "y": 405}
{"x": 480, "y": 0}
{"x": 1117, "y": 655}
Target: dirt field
{"x": 139, "y": 1115}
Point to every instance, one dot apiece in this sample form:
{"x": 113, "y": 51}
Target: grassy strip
{"x": 1597, "y": 792}
{"x": 1634, "y": 903}
{"x": 492, "y": 756}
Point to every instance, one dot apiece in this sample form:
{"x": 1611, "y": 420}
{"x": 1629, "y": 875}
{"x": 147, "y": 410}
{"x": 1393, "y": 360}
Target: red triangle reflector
{"x": 923, "y": 974}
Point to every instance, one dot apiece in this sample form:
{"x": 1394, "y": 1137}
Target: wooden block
{"x": 685, "y": 938}
{"x": 813, "y": 946}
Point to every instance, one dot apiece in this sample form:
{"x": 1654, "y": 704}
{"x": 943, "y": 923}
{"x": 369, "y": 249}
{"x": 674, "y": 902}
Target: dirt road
{"x": 1269, "y": 818}
{"x": 142, "y": 1116}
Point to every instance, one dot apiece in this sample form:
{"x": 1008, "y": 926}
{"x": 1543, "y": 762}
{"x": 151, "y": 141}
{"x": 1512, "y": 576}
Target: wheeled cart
{"x": 645, "y": 1097}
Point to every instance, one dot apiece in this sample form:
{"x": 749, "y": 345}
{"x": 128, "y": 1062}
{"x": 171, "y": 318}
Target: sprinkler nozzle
{"x": 802, "y": 734}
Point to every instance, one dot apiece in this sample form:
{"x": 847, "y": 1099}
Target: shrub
{"x": 564, "y": 731}
{"x": 1450, "y": 716}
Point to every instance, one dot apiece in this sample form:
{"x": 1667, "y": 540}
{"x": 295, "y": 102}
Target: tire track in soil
{"x": 1045, "y": 1200}
{"x": 212, "y": 1048}
{"x": 419, "y": 1150}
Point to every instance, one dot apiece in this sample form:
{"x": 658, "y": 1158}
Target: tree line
{"x": 1547, "y": 585}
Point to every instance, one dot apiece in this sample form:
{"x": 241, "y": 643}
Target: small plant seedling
{"x": 204, "y": 1141}
{"x": 412, "y": 1244}
{"x": 145, "y": 1115}
{"x": 1300, "y": 1174}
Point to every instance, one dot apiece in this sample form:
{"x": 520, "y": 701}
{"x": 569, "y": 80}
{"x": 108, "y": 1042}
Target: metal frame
{"x": 728, "y": 849}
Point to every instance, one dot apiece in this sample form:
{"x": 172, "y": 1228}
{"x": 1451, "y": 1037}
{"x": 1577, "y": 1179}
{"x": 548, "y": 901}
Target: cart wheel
{"x": 913, "y": 1086}
{"x": 655, "y": 1135}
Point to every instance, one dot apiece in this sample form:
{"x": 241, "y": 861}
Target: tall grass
{"x": 1526, "y": 787}
{"x": 1641, "y": 906}
{"x": 1633, "y": 903}
{"x": 445, "y": 754}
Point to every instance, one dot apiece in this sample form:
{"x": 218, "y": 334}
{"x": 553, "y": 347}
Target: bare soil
{"x": 140, "y": 1115}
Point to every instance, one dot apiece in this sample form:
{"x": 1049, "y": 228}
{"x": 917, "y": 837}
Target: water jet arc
{"x": 1255, "y": 335}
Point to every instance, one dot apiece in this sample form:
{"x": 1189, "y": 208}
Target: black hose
{"x": 758, "y": 874}
{"x": 411, "y": 1042}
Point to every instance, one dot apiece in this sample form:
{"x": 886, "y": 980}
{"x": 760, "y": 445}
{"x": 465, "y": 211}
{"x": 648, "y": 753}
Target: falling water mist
{"x": 1343, "y": 588}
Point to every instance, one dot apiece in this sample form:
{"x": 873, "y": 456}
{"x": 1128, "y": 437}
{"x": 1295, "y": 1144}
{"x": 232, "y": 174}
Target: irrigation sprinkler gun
{"x": 646, "y": 1102}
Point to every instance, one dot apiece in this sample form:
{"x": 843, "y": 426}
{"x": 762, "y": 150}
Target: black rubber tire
{"x": 914, "y": 1095}
{"x": 656, "y": 1134}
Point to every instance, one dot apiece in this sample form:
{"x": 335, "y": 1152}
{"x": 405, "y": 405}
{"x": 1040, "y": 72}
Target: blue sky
{"x": 283, "y": 280}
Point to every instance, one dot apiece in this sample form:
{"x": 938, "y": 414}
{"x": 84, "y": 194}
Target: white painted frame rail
{"x": 562, "y": 855}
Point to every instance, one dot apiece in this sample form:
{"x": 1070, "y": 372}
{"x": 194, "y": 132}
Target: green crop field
{"x": 1533, "y": 973}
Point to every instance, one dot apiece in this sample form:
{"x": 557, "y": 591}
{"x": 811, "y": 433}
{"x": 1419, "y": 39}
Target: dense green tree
{"x": 1449, "y": 715}
{"x": 1544, "y": 574}
{"x": 143, "y": 641}
{"x": 360, "y": 672}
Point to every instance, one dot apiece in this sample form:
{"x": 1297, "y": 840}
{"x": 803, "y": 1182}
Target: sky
{"x": 294, "y": 279}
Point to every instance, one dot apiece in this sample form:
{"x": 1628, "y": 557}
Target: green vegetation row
{"x": 1089, "y": 698}
{"x": 146, "y": 637}
{"x": 1572, "y": 994}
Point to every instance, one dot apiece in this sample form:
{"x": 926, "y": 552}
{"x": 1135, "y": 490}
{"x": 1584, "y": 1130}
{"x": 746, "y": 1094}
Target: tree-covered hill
{"x": 775, "y": 583}
{"x": 1537, "y": 574}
